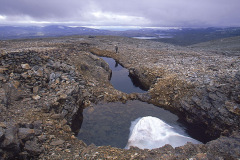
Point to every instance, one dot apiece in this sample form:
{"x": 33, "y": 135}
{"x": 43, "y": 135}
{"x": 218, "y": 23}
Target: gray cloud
{"x": 124, "y": 12}
{"x": 41, "y": 10}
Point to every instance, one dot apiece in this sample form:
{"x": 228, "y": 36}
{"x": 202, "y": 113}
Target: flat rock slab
{"x": 57, "y": 142}
{"x": 25, "y": 133}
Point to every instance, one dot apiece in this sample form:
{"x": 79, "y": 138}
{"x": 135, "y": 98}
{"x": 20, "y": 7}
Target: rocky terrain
{"x": 46, "y": 83}
{"x": 225, "y": 46}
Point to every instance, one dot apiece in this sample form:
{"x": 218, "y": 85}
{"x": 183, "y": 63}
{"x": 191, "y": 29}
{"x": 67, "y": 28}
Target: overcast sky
{"x": 151, "y": 13}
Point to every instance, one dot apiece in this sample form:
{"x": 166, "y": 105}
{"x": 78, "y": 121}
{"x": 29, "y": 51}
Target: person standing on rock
{"x": 116, "y": 48}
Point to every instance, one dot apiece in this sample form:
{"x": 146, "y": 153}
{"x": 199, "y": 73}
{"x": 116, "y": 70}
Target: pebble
{"x": 57, "y": 116}
{"x": 2, "y": 78}
{"x": 3, "y": 124}
{"x": 57, "y": 142}
{"x": 63, "y": 96}
{"x": 39, "y": 72}
{"x": 36, "y": 97}
{"x": 35, "y": 89}
{"x": 25, "y": 66}
{"x": 52, "y": 136}
{"x": 16, "y": 84}
{"x": 2, "y": 70}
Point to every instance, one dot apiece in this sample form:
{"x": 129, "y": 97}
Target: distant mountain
{"x": 177, "y": 36}
{"x": 190, "y": 36}
{"x": 10, "y": 32}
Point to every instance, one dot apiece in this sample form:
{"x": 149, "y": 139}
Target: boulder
{"x": 33, "y": 148}
{"x": 11, "y": 141}
{"x": 25, "y": 133}
{"x": 227, "y": 147}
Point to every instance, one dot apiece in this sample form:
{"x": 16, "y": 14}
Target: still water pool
{"x": 109, "y": 123}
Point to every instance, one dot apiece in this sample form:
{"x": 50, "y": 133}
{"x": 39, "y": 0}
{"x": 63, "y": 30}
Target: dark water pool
{"x": 109, "y": 123}
{"x": 121, "y": 80}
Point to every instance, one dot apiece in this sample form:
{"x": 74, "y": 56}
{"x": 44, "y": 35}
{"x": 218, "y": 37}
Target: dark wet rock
{"x": 33, "y": 148}
{"x": 42, "y": 138}
{"x": 37, "y": 125}
{"x": 10, "y": 139}
{"x": 219, "y": 103}
{"x": 2, "y": 132}
{"x": 10, "y": 145}
{"x": 25, "y": 133}
{"x": 226, "y": 147}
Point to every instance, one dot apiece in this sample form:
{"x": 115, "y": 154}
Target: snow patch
{"x": 151, "y": 132}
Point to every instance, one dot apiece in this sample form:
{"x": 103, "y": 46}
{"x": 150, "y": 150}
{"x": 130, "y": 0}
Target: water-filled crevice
{"x": 109, "y": 123}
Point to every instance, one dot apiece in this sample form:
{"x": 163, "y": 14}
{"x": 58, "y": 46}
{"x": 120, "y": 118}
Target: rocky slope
{"x": 225, "y": 46}
{"x": 46, "y": 83}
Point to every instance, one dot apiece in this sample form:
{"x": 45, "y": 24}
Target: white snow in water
{"x": 151, "y": 132}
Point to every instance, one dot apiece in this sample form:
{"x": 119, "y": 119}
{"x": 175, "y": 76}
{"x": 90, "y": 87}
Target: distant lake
{"x": 165, "y": 36}
{"x": 157, "y": 37}
{"x": 145, "y": 37}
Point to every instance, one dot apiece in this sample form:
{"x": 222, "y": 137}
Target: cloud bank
{"x": 181, "y": 13}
